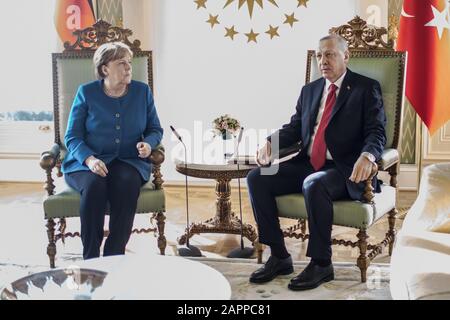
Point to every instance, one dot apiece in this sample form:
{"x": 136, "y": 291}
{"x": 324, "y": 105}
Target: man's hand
{"x": 263, "y": 155}
{"x": 361, "y": 170}
{"x": 97, "y": 166}
{"x": 144, "y": 149}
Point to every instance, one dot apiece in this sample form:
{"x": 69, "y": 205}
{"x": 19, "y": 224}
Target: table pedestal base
{"x": 233, "y": 226}
{"x": 224, "y": 220}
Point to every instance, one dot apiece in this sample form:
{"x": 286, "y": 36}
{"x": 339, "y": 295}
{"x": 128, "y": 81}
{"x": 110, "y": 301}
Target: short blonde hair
{"x": 108, "y": 52}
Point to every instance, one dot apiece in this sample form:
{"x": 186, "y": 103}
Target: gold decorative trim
{"x": 393, "y": 28}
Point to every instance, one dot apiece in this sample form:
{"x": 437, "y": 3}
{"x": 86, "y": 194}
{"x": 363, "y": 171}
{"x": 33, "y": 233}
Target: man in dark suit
{"x": 340, "y": 122}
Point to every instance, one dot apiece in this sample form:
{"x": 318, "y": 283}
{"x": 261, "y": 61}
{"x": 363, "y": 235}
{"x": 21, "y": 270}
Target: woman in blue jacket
{"x": 112, "y": 128}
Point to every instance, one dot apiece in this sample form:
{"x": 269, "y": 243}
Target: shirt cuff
{"x": 369, "y": 156}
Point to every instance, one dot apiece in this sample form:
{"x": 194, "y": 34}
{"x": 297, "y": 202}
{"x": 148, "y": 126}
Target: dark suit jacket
{"x": 357, "y": 124}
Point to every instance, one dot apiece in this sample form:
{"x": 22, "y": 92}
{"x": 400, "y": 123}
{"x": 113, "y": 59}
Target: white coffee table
{"x": 156, "y": 277}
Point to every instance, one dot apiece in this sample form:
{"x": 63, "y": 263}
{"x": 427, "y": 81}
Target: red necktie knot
{"x": 332, "y": 90}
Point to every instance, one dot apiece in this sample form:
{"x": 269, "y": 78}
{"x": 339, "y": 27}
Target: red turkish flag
{"x": 425, "y": 34}
{"x": 71, "y": 15}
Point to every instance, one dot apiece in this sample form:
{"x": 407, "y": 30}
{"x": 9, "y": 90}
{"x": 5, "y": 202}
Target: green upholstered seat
{"x": 70, "y": 69}
{"x": 66, "y": 202}
{"x": 354, "y": 214}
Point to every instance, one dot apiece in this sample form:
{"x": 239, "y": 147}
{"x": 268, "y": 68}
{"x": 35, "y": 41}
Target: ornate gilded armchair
{"x": 375, "y": 58}
{"x": 71, "y": 68}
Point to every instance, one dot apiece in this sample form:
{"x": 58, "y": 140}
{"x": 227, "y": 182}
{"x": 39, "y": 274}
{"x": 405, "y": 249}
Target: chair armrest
{"x": 368, "y": 189}
{"x": 49, "y": 158}
{"x": 48, "y": 161}
{"x": 158, "y": 155}
{"x": 389, "y": 157}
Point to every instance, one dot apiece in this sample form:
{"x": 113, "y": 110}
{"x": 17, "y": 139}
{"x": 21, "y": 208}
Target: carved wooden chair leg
{"x": 162, "y": 242}
{"x": 303, "y": 227}
{"x": 62, "y": 229}
{"x": 259, "y": 251}
{"x": 393, "y": 171}
{"x": 51, "y": 247}
{"x": 391, "y": 232}
{"x": 363, "y": 261}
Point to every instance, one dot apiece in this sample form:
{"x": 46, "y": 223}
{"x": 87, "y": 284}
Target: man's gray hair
{"x": 341, "y": 42}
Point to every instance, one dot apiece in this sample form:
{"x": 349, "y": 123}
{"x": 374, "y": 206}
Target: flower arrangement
{"x": 225, "y": 125}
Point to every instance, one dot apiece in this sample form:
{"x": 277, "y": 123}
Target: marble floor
{"x": 202, "y": 207}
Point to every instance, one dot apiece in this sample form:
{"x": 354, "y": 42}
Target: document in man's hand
{"x": 243, "y": 159}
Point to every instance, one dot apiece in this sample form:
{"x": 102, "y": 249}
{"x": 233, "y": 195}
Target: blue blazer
{"x": 109, "y": 128}
{"x": 357, "y": 124}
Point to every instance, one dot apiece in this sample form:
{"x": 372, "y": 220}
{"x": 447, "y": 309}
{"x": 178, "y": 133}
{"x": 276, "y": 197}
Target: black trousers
{"x": 319, "y": 190}
{"x": 120, "y": 188}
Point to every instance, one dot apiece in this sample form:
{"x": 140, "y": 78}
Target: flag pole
{"x": 419, "y": 163}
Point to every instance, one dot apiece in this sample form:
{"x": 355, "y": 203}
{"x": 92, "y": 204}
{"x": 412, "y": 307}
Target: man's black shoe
{"x": 312, "y": 277}
{"x": 272, "y": 268}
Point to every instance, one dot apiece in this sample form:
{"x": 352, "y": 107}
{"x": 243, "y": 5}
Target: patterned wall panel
{"x": 408, "y": 142}
{"x": 110, "y": 11}
{"x": 408, "y": 152}
{"x": 395, "y": 7}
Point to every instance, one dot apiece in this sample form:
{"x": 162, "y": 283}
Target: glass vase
{"x": 228, "y": 145}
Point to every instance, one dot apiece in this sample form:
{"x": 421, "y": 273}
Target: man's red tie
{"x": 319, "y": 149}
